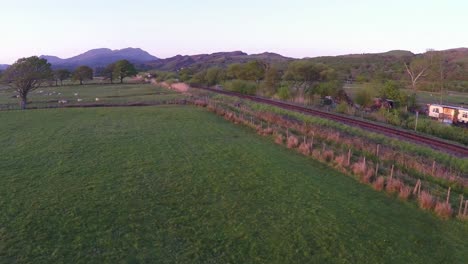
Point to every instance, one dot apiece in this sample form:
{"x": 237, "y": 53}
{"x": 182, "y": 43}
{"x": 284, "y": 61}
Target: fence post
{"x": 349, "y": 157}
{"x": 448, "y": 195}
{"x": 391, "y": 171}
{"x": 461, "y": 205}
{"x": 377, "y": 150}
{"x": 433, "y": 168}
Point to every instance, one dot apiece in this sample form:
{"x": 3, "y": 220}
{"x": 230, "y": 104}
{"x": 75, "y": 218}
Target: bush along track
{"x": 437, "y": 186}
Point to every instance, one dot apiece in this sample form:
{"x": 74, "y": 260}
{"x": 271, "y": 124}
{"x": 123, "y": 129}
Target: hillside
{"x": 220, "y": 59}
{"x": 3, "y": 66}
{"x": 101, "y": 57}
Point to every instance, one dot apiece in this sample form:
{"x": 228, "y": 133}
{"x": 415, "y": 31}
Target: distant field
{"x": 173, "y": 184}
{"x": 117, "y": 93}
{"x": 423, "y": 97}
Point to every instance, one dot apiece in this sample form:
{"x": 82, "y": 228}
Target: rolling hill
{"x": 220, "y": 59}
{"x": 100, "y": 58}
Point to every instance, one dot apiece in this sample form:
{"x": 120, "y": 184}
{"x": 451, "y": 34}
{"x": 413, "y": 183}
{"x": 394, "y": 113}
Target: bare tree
{"x": 418, "y": 68}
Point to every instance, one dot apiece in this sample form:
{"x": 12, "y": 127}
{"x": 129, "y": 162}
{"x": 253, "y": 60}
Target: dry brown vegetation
{"x": 328, "y": 140}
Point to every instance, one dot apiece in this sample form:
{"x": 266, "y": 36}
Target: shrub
{"x": 283, "y": 93}
{"x": 340, "y": 160}
{"x": 367, "y": 176}
{"x": 279, "y": 139}
{"x": 292, "y": 142}
{"x": 405, "y": 192}
{"x": 393, "y": 186}
{"x": 444, "y": 210}
{"x": 244, "y": 87}
{"x": 304, "y": 148}
{"x": 328, "y": 155}
{"x": 359, "y": 168}
{"x": 342, "y": 107}
{"x": 379, "y": 183}
{"x": 426, "y": 201}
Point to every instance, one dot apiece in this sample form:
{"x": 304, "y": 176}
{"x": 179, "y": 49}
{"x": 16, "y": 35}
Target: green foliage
{"x": 271, "y": 80}
{"x": 250, "y": 71}
{"x": 108, "y": 72}
{"x": 284, "y": 93}
{"x": 27, "y": 74}
{"x": 365, "y": 96}
{"x": 342, "y": 107}
{"x": 308, "y": 71}
{"x": 198, "y": 78}
{"x": 391, "y": 90}
{"x": 186, "y": 74}
{"x": 82, "y": 73}
{"x": 329, "y": 88}
{"x": 114, "y": 192}
{"x": 123, "y": 69}
{"x": 61, "y": 75}
{"x": 241, "y": 86}
{"x": 215, "y": 75}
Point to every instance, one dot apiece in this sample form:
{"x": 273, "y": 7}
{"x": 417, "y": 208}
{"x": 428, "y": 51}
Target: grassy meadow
{"x": 177, "y": 184}
{"x": 87, "y": 94}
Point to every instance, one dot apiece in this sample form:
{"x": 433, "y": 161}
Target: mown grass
{"x": 180, "y": 185}
{"x": 106, "y": 93}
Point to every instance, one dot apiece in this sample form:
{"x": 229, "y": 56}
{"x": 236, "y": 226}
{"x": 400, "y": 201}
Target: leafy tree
{"x": 82, "y": 73}
{"x": 306, "y": 71}
{"x": 330, "y": 88}
{"x": 241, "y": 86}
{"x": 215, "y": 75}
{"x": 272, "y": 79}
{"x": 61, "y": 74}
{"x": 250, "y": 71}
{"x": 123, "y": 68}
{"x": 365, "y": 96}
{"x": 198, "y": 78}
{"x": 391, "y": 90}
{"x": 253, "y": 71}
{"x": 27, "y": 74}
{"x": 108, "y": 72}
{"x": 284, "y": 93}
{"x": 185, "y": 74}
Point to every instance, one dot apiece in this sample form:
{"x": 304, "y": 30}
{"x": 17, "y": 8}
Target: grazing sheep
{"x": 62, "y": 101}
{"x": 79, "y": 100}
{"x": 76, "y": 94}
{"x": 97, "y": 99}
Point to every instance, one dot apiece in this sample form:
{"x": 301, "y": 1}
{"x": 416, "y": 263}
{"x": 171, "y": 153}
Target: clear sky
{"x": 297, "y": 28}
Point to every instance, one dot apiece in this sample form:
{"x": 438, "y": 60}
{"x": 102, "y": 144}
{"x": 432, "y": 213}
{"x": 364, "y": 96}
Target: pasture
{"x": 87, "y": 94}
{"x": 177, "y": 184}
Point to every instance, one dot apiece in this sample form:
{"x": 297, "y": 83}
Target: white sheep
{"x": 62, "y": 101}
{"x": 97, "y": 99}
{"x": 79, "y": 100}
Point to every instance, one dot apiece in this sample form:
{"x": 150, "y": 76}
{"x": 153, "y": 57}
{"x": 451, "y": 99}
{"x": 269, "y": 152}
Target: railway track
{"x": 406, "y": 135}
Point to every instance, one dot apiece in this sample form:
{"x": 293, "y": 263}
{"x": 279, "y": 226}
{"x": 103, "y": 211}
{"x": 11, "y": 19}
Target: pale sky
{"x": 296, "y": 28}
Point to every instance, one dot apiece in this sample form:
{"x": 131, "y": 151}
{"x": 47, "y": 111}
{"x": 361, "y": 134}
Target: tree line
{"x": 28, "y": 74}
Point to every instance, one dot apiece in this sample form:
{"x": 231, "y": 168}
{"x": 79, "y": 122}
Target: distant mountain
{"x": 3, "y": 66}
{"x": 101, "y": 58}
{"x": 220, "y": 59}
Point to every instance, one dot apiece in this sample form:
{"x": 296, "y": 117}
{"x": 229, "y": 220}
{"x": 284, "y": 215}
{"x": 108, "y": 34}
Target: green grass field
{"x": 177, "y": 184}
{"x": 117, "y": 93}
